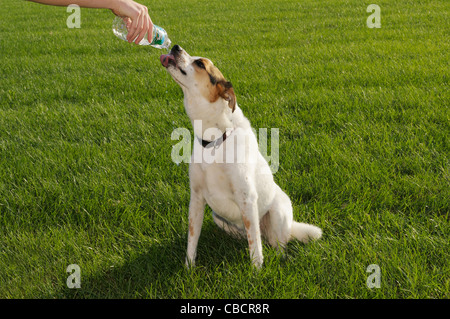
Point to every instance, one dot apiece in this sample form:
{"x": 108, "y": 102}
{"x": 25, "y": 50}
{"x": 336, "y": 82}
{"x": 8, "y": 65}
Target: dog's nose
{"x": 176, "y": 49}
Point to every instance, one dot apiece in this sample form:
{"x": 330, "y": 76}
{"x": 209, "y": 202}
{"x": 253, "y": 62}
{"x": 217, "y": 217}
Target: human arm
{"x": 139, "y": 25}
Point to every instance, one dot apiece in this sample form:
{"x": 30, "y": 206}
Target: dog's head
{"x": 198, "y": 77}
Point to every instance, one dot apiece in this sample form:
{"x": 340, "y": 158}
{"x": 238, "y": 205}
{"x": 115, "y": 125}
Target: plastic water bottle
{"x": 160, "y": 39}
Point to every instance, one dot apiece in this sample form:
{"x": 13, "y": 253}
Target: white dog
{"x": 235, "y": 181}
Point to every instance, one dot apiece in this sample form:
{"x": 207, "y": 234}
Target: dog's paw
{"x": 189, "y": 263}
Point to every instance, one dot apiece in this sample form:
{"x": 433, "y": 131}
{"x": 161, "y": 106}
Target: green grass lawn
{"x": 86, "y": 175}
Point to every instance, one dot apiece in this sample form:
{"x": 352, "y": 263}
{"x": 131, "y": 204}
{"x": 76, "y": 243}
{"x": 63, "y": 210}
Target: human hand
{"x": 137, "y": 19}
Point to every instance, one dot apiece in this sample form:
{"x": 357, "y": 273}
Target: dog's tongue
{"x": 166, "y": 58}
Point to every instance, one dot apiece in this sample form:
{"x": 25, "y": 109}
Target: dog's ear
{"x": 225, "y": 90}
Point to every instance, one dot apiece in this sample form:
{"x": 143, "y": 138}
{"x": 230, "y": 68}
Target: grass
{"x": 86, "y": 175}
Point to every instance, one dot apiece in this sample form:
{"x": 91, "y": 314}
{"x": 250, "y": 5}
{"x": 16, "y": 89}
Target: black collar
{"x": 215, "y": 143}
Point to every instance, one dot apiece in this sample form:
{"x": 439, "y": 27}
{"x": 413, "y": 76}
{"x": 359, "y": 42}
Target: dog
{"x": 245, "y": 200}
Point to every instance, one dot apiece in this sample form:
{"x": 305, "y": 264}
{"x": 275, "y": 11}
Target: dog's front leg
{"x": 196, "y": 213}
{"x": 250, "y": 217}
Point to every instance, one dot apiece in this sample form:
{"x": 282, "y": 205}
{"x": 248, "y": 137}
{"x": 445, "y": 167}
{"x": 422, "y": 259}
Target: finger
{"x": 127, "y": 22}
{"x": 150, "y": 30}
{"x": 133, "y": 30}
{"x": 142, "y": 30}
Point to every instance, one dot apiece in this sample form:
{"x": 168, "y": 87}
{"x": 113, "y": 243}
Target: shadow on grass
{"x": 160, "y": 271}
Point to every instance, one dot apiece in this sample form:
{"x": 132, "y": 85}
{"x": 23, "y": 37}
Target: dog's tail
{"x": 305, "y": 232}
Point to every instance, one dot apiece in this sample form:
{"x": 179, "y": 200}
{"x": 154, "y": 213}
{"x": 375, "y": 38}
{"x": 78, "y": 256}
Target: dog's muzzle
{"x": 167, "y": 59}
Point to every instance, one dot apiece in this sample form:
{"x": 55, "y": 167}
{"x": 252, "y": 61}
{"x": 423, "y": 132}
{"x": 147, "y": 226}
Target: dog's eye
{"x": 199, "y": 63}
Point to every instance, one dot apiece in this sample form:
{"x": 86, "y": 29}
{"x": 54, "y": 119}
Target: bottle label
{"x": 159, "y": 37}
